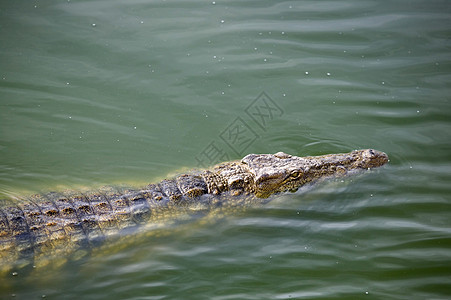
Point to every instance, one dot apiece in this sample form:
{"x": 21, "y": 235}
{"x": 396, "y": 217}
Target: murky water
{"x": 112, "y": 92}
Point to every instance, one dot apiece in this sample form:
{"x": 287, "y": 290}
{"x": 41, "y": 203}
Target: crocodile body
{"x": 44, "y": 222}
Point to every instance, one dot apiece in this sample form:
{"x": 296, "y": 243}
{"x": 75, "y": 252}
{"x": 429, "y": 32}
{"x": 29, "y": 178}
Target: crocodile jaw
{"x": 280, "y": 172}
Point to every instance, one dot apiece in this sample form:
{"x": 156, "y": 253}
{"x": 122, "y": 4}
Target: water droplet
{"x": 214, "y": 2}
{"x": 93, "y": 24}
{"x": 222, "y": 21}
{"x": 14, "y": 273}
{"x": 283, "y": 32}
{"x": 306, "y": 73}
{"x": 328, "y": 74}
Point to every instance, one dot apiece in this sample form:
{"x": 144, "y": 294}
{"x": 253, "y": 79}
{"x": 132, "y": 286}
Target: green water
{"x": 109, "y": 92}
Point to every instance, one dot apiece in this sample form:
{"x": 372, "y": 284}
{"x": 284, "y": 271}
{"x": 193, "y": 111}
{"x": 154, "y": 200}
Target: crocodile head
{"x": 280, "y": 172}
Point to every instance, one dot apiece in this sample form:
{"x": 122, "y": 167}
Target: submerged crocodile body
{"x": 45, "y": 221}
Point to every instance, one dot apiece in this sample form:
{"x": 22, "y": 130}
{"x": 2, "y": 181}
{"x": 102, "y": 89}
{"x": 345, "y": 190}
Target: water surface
{"x": 112, "y": 92}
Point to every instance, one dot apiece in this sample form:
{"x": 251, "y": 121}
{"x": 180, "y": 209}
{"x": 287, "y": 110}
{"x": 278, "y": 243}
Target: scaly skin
{"x": 71, "y": 221}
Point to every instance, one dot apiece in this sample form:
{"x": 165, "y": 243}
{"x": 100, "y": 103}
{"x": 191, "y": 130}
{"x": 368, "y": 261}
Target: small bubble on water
{"x": 93, "y": 24}
{"x": 222, "y": 21}
{"x": 328, "y": 74}
{"x": 306, "y": 73}
{"x": 214, "y": 2}
{"x": 14, "y": 273}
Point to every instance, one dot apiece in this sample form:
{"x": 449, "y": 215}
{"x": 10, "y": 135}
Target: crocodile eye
{"x": 294, "y": 174}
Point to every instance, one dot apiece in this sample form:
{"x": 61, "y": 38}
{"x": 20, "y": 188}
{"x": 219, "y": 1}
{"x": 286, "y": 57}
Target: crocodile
{"x": 42, "y": 222}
